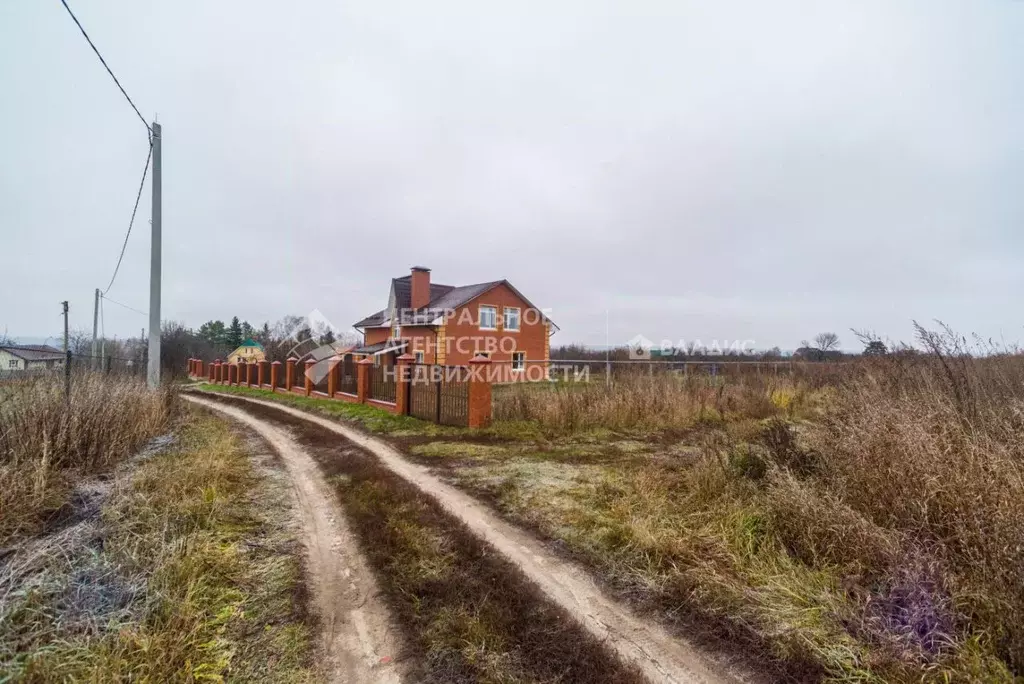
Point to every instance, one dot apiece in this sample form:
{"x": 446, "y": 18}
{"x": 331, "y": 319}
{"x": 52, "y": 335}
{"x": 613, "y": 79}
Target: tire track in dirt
{"x": 357, "y": 630}
{"x": 661, "y": 656}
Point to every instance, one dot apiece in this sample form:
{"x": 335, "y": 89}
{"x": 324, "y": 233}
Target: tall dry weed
{"x": 47, "y": 439}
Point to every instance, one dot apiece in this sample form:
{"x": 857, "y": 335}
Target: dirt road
{"x": 359, "y": 642}
{"x": 661, "y": 656}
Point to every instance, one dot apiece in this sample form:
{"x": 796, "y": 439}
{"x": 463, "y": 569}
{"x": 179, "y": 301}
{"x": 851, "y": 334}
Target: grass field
{"x": 186, "y": 572}
{"x": 865, "y": 525}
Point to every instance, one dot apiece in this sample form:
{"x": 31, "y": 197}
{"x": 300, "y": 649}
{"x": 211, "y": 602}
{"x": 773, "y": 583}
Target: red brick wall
{"x": 375, "y": 335}
{"x": 421, "y": 338}
{"x": 530, "y": 338}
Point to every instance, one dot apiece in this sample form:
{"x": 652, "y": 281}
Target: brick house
{"x": 448, "y": 325}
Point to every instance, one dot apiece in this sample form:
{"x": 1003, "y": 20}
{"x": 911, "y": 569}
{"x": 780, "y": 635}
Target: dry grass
{"x": 869, "y": 527}
{"x": 863, "y": 523}
{"x": 48, "y": 441}
{"x": 186, "y": 574}
{"x": 650, "y": 402}
{"x": 468, "y": 615}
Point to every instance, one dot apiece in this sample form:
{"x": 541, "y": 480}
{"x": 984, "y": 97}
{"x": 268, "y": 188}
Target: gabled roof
{"x": 249, "y": 342}
{"x": 443, "y": 298}
{"x": 34, "y": 352}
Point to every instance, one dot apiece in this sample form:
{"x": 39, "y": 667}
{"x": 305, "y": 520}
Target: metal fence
{"x": 347, "y": 378}
{"x": 439, "y": 394}
{"x": 383, "y": 385}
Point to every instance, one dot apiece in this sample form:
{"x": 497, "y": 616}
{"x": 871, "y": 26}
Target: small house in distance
{"x": 28, "y": 357}
{"x": 250, "y": 351}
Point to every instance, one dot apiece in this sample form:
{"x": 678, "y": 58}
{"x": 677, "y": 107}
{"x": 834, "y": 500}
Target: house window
{"x": 376, "y": 360}
{"x": 511, "y": 318}
{"x": 488, "y": 317}
{"x": 419, "y": 357}
{"x": 13, "y": 363}
{"x": 518, "y": 361}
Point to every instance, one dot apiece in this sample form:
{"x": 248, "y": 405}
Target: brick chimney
{"x": 420, "y": 295}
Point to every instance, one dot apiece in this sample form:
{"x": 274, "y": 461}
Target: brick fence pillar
{"x": 289, "y": 374}
{"x": 333, "y": 371}
{"x": 275, "y": 373}
{"x": 217, "y": 370}
{"x": 479, "y": 392}
{"x": 199, "y": 368}
{"x": 261, "y": 373}
{"x": 403, "y": 370}
{"x": 308, "y": 374}
{"x": 363, "y": 369}
{"x": 241, "y": 372}
{"x": 232, "y": 373}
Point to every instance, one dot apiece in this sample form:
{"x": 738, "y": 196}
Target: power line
{"x": 104, "y": 62}
{"x": 130, "y": 308}
{"x": 145, "y": 169}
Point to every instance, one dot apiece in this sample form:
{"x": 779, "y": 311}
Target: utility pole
{"x": 67, "y": 354}
{"x": 95, "y": 320}
{"x": 153, "y": 369}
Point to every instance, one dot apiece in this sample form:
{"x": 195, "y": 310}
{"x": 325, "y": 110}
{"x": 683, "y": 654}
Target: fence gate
{"x": 454, "y": 399}
{"x": 424, "y": 393}
{"x": 439, "y": 394}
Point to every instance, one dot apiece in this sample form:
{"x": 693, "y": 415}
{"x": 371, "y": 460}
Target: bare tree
{"x": 826, "y": 341}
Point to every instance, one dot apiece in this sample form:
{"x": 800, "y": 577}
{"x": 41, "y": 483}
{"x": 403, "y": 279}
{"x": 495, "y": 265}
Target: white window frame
{"x": 480, "y": 317}
{"x": 519, "y": 318}
{"x": 419, "y": 356}
{"x": 522, "y": 364}
{"x": 13, "y": 363}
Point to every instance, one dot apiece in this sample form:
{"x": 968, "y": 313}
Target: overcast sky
{"x": 697, "y": 170}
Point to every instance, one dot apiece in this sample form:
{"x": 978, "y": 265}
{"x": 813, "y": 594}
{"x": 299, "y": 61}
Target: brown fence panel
{"x": 382, "y": 384}
{"x": 320, "y": 374}
{"x": 282, "y": 375}
{"x": 424, "y": 393}
{"x": 347, "y": 376}
{"x": 454, "y": 398}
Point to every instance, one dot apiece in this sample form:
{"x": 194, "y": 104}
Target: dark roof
{"x": 403, "y": 291}
{"x": 34, "y": 352}
{"x": 387, "y": 345}
{"x": 442, "y": 298}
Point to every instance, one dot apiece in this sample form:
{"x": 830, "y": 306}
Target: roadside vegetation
{"x": 468, "y": 614}
{"x": 860, "y": 523}
{"x": 185, "y": 571}
{"x": 48, "y": 441}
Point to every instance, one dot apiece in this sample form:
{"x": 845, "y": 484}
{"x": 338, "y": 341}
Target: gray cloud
{"x": 685, "y": 170}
